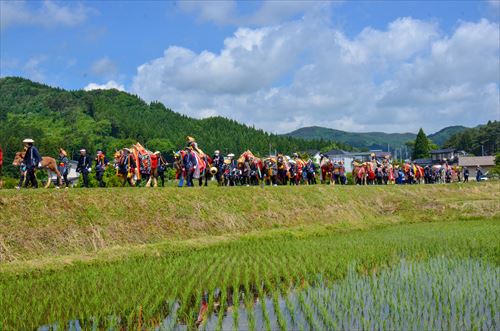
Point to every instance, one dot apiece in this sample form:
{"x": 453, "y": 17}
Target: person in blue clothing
{"x": 32, "y": 161}
{"x": 311, "y": 172}
{"x": 466, "y": 175}
{"x": 218, "y": 163}
{"x": 101, "y": 163}
{"x": 22, "y": 175}
{"x": 189, "y": 164}
{"x": 84, "y": 167}
{"x": 63, "y": 166}
{"x": 479, "y": 174}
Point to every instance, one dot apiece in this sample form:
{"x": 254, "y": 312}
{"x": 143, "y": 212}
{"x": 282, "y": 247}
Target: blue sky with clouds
{"x": 279, "y": 65}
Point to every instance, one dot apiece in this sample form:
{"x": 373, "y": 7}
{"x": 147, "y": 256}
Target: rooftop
{"x": 440, "y": 151}
{"x": 473, "y": 161}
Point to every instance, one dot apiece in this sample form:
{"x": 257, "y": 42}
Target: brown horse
{"x": 48, "y": 163}
{"x": 326, "y": 166}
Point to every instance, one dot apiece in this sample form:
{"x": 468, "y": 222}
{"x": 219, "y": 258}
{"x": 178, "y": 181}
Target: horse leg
{"x": 49, "y": 175}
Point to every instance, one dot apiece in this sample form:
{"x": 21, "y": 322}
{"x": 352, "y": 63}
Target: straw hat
{"x": 28, "y": 141}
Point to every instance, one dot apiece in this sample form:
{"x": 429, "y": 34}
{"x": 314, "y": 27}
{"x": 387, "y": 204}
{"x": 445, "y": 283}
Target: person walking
{"x": 218, "y": 163}
{"x": 84, "y": 167}
{"x": 479, "y": 174}
{"x": 153, "y": 178}
{"x": 162, "y": 166}
{"x": 22, "y": 175}
{"x": 63, "y": 166}
{"x": 189, "y": 164}
{"x": 466, "y": 175}
{"x": 32, "y": 160}
{"x": 101, "y": 163}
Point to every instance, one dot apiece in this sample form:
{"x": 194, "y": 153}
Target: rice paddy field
{"x": 387, "y": 258}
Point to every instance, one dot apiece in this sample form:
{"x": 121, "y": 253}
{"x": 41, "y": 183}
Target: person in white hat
{"x": 84, "y": 166}
{"x": 32, "y": 160}
{"x": 218, "y": 164}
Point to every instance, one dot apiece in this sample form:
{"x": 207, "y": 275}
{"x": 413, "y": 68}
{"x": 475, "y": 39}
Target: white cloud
{"x": 48, "y": 14}
{"x": 304, "y": 72}
{"x": 104, "y": 67}
{"x": 227, "y": 12}
{"x": 107, "y": 86}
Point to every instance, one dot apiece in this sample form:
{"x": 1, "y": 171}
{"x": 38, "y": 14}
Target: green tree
{"x": 421, "y": 148}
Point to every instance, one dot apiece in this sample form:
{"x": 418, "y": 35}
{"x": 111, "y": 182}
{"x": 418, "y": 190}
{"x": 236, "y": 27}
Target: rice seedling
{"x": 283, "y": 281}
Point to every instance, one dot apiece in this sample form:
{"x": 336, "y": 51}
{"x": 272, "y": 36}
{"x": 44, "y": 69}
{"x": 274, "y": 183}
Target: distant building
{"x": 423, "y": 162}
{"x": 486, "y": 163}
{"x": 448, "y": 154}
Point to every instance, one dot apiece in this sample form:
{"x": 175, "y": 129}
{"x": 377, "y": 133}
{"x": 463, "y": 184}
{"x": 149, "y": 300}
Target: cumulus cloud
{"x": 304, "y": 72}
{"x": 48, "y": 14}
{"x": 107, "y": 86}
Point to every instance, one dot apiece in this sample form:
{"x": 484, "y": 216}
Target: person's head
{"x": 83, "y": 152}
{"x": 99, "y": 152}
{"x": 230, "y": 156}
{"x": 62, "y": 152}
{"x": 28, "y": 142}
{"x": 216, "y": 153}
{"x": 157, "y": 153}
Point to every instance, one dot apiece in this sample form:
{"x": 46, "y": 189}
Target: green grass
{"x": 438, "y": 294}
{"x": 141, "y": 290}
{"x": 40, "y": 225}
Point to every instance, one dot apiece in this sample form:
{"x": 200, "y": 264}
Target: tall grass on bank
{"x": 38, "y": 224}
{"x": 140, "y": 291}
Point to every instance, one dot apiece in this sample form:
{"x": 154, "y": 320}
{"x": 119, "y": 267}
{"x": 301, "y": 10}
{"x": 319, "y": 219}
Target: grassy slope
{"x": 38, "y": 226}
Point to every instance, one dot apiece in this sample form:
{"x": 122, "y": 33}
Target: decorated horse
{"x": 283, "y": 168}
{"x": 126, "y": 166}
{"x": 250, "y": 167}
{"x": 298, "y": 166}
{"x": 361, "y": 173}
{"x": 414, "y": 174}
{"x": 326, "y": 167}
{"x": 48, "y": 163}
{"x": 134, "y": 165}
{"x": 270, "y": 171}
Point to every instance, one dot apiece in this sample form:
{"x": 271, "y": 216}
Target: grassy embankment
{"x": 44, "y": 225}
{"x": 292, "y": 236}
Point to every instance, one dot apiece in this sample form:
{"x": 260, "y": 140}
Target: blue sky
{"x": 353, "y": 65}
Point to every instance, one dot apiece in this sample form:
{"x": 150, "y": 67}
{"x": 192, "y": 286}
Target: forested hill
{"x": 110, "y": 119}
{"x": 371, "y": 140}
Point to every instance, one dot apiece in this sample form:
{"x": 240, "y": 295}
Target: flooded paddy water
{"x": 437, "y": 294}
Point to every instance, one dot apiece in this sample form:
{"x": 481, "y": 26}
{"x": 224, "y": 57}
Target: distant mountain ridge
{"x": 371, "y": 140}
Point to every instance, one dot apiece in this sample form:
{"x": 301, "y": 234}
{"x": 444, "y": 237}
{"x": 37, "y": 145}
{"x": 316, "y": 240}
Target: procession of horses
{"x": 138, "y": 166}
